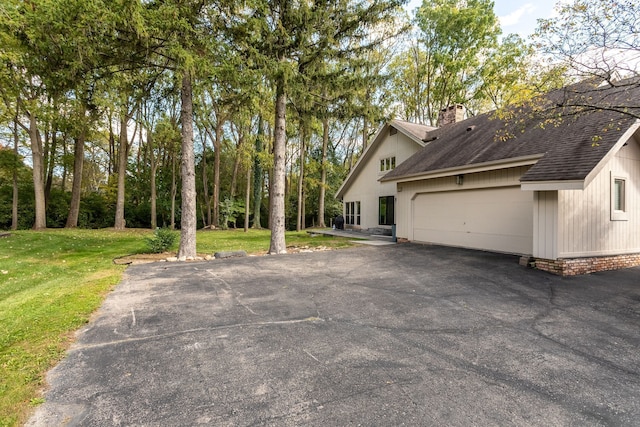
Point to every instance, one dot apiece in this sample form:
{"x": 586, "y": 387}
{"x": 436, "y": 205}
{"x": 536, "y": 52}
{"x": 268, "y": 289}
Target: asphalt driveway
{"x": 373, "y": 336}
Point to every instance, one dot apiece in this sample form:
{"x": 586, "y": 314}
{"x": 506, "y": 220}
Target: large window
{"x": 618, "y": 198}
{"x": 352, "y": 211}
{"x": 386, "y": 210}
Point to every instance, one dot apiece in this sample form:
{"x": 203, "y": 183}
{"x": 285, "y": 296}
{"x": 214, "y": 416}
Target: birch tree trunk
{"x": 276, "y": 202}
{"x": 188, "y": 222}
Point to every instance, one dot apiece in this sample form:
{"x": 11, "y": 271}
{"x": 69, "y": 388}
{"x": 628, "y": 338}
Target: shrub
{"x": 163, "y": 239}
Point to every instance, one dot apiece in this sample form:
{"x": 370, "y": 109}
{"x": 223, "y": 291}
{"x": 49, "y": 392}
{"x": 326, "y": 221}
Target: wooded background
{"x": 202, "y": 113}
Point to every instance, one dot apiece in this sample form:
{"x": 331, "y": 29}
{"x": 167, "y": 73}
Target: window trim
{"x": 619, "y": 214}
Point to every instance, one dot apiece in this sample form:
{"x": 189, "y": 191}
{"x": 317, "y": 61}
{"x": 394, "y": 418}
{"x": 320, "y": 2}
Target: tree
{"x": 597, "y": 40}
{"x": 454, "y": 37}
{"x": 282, "y": 39}
{"x": 188, "y": 223}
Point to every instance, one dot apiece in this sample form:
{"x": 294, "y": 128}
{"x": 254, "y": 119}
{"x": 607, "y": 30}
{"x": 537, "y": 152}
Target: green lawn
{"x": 50, "y": 283}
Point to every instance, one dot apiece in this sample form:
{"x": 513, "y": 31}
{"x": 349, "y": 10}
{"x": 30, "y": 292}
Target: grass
{"x": 52, "y": 281}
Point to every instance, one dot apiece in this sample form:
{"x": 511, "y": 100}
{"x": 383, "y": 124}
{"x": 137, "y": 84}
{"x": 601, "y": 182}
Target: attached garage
{"x": 496, "y": 219}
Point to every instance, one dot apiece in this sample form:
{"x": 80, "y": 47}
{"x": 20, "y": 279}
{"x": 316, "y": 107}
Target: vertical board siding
{"x": 586, "y": 228}
{"x": 367, "y": 189}
{"x": 545, "y": 223}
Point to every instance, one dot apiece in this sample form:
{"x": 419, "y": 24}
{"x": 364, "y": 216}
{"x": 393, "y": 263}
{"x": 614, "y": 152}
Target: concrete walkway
{"x": 356, "y": 236}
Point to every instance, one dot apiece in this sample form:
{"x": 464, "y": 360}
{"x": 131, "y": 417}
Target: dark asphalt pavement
{"x": 369, "y": 336}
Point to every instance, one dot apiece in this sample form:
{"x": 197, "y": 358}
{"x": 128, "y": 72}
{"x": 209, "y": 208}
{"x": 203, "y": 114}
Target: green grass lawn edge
{"x": 52, "y": 281}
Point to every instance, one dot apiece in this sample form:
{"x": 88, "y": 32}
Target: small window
{"x": 619, "y": 198}
{"x": 618, "y": 195}
{"x": 386, "y": 210}
{"x": 387, "y": 164}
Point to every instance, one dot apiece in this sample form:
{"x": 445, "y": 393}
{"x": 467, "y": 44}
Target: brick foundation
{"x": 576, "y": 266}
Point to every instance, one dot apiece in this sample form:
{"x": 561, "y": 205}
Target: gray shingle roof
{"x": 570, "y": 146}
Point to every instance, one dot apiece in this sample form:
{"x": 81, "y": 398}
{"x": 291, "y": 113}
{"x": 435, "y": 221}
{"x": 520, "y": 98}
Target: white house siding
{"x": 545, "y": 224}
{"x": 488, "y": 211}
{"x": 585, "y": 227}
{"x": 367, "y": 189}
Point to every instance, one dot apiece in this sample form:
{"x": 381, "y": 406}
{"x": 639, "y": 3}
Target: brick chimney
{"x": 451, "y": 114}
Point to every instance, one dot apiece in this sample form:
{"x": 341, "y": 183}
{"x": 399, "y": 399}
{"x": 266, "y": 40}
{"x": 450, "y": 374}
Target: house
{"x": 562, "y": 191}
{"x": 368, "y": 202}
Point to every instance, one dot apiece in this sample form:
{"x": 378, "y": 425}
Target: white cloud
{"x": 516, "y": 16}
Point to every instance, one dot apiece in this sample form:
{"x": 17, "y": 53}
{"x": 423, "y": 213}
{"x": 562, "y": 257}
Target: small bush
{"x": 163, "y": 239}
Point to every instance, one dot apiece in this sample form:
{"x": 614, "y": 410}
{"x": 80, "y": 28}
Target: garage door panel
{"x": 492, "y": 219}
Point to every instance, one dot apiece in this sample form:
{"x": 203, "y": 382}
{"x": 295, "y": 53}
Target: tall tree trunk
{"x": 300, "y": 217}
{"x": 14, "y": 204}
{"x": 257, "y": 178}
{"x": 278, "y": 244}
{"x": 50, "y": 149}
{"x": 123, "y": 154}
{"x": 365, "y": 132}
{"x": 217, "y": 147}
{"x": 174, "y": 188}
{"x": 247, "y": 201}
{"x": 188, "y": 219}
{"x": 323, "y": 172}
{"x": 236, "y": 167}
{"x": 40, "y": 222}
{"x": 78, "y": 162}
{"x": 154, "y": 196}
{"x": 112, "y": 147}
{"x": 205, "y": 180}
{"x": 63, "y": 181}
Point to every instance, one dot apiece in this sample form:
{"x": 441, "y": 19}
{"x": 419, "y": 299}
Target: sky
{"x": 516, "y": 16}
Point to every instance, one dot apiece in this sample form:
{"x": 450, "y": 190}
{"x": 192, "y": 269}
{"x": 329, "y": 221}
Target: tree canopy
{"x": 207, "y": 113}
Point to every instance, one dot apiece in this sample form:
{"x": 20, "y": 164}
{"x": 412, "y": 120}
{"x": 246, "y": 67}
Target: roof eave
{"x": 612, "y": 152}
{"x": 473, "y": 168}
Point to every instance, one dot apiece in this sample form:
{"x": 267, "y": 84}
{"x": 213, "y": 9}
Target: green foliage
{"x": 443, "y": 66}
{"x": 229, "y": 211}
{"x": 163, "y": 239}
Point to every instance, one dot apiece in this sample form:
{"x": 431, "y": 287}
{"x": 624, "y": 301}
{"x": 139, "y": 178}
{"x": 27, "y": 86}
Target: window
{"x": 352, "y": 213}
{"x": 618, "y": 198}
{"x": 386, "y": 210}
{"x": 618, "y": 195}
{"x": 387, "y": 164}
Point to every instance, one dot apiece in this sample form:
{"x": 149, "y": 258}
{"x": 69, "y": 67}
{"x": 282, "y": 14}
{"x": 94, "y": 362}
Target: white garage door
{"x": 498, "y": 219}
